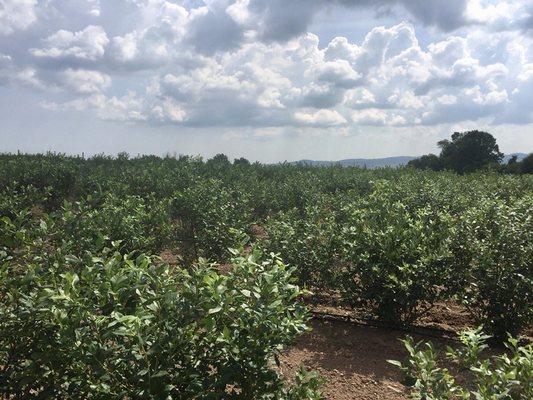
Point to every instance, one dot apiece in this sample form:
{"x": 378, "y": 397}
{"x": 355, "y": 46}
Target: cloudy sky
{"x": 270, "y": 80}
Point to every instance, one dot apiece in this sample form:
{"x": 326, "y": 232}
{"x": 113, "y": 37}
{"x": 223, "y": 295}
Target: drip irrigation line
{"x": 437, "y": 333}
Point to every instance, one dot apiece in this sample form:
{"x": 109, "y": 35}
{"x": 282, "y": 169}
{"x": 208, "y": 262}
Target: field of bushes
{"x": 89, "y": 309}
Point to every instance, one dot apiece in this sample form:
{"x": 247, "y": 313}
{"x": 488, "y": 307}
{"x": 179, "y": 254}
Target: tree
{"x": 513, "y": 160}
{"x": 512, "y": 166}
{"x": 220, "y": 159}
{"x": 526, "y": 165}
{"x": 469, "y": 151}
{"x": 429, "y": 161}
{"x": 220, "y": 163}
{"x": 241, "y": 161}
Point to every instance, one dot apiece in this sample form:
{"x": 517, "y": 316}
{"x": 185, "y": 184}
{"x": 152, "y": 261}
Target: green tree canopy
{"x": 219, "y": 159}
{"x": 241, "y": 161}
{"x": 429, "y": 161}
{"x": 465, "y": 152}
{"x": 469, "y": 151}
{"x": 526, "y": 165}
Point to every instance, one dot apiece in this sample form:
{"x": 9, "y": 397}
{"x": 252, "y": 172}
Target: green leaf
{"x": 214, "y": 310}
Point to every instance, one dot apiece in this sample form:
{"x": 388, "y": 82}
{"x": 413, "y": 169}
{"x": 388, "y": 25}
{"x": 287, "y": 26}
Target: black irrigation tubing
{"x": 436, "y": 333}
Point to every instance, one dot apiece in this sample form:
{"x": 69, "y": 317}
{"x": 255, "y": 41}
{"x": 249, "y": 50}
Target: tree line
{"x": 472, "y": 151}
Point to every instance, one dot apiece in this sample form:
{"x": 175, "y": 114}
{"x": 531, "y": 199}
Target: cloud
{"x": 320, "y": 118}
{"x": 388, "y": 79}
{"x": 447, "y": 15}
{"x": 503, "y": 15}
{"x": 377, "y": 117}
{"x": 469, "y": 104}
{"x": 83, "y": 81}
{"x": 527, "y": 22}
{"x": 339, "y": 73}
{"x": 280, "y": 20}
{"x": 5, "y": 60}
{"x": 129, "y": 107}
{"x": 212, "y": 29}
{"x": 253, "y": 63}
{"x": 87, "y": 44}
{"x": 16, "y": 15}
{"x": 317, "y": 96}
{"x": 518, "y": 110}
{"x": 10, "y": 75}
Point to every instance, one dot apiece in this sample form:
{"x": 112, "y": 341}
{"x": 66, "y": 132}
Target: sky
{"x": 269, "y": 80}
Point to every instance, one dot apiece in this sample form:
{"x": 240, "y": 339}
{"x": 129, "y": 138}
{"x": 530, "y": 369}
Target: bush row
{"x": 395, "y": 241}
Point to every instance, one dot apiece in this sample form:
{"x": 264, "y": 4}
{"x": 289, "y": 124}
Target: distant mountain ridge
{"x": 507, "y": 157}
{"x": 392, "y": 162}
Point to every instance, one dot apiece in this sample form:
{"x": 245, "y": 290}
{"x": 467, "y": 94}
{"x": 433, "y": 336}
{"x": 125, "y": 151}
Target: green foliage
{"x": 309, "y": 243}
{"x": 429, "y": 161}
{"x": 241, "y": 161}
{"x": 94, "y": 222}
{"x": 508, "y": 376}
{"x": 421, "y": 370}
{"x": 474, "y": 343}
{"x": 51, "y": 173}
{"x": 495, "y": 264}
{"x": 308, "y": 386}
{"x": 466, "y": 152}
{"x": 123, "y": 326}
{"x": 205, "y": 213}
{"x": 469, "y": 151}
{"x": 526, "y": 165}
{"x": 392, "y": 240}
{"x": 397, "y": 259}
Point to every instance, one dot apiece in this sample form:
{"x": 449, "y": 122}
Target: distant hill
{"x": 392, "y": 162}
{"x": 507, "y": 157}
{"x": 361, "y": 162}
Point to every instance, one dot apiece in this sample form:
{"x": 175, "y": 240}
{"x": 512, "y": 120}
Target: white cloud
{"x": 212, "y": 29}
{"x": 157, "y": 42}
{"x": 501, "y": 15}
{"x": 16, "y": 15}
{"x": 126, "y": 108}
{"x": 320, "y": 118}
{"x": 75, "y": 81}
{"x": 4, "y": 60}
{"x": 339, "y": 73}
{"x": 360, "y": 98}
{"x": 252, "y": 63}
{"x": 83, "y": 81}
{"x": 447, "y": 99}
{"x": 445, "y": 14}
{"x": 405, "y": 99}
{"x": 87, "y": 44}
{"x": 28, "y": 77}
{"x": 377, "y": 117}
{"x": 169, "y": 111}
{"x": 389, "y": 78}
{"x": 371, "y": 116}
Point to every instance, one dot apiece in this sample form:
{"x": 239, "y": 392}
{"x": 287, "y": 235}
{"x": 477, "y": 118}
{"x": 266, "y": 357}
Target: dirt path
{"x": 352, "y": 359}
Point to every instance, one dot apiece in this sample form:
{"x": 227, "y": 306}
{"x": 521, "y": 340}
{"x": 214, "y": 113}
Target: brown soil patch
{"x": 259, "y": 232}
{"x": 448, "y": 316}
{"x": 224, "y": 269}
{"x": 443, "y": 316}
{"x": 353, "y": 359}
{"x": 37, "y": 211}
{"x": 171, "y": 258}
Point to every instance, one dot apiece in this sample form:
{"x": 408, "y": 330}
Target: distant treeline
{"x": 472, "y": 151}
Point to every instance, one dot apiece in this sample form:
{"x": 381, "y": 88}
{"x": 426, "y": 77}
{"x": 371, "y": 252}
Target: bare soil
{"x": 352, "y": 354}
{"x": 170, "y": 257}
{"x": 350, "y": 349}
{"x": 353, "y": 359}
